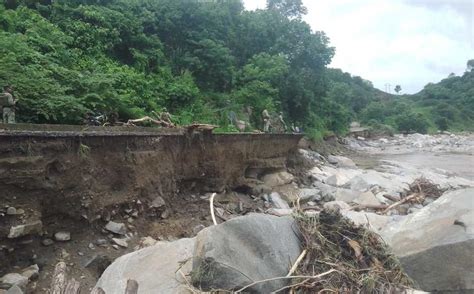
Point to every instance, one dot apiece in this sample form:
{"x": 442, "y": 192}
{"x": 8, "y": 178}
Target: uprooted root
{"x": 362, "y": 262}
{"x": 425, "y": 187}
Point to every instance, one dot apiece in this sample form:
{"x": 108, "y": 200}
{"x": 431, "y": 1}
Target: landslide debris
{"x": 360, "y": 260}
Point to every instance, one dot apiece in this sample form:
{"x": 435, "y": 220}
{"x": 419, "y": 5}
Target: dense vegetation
{"x": 202, "y": 60}
{"x": 448, "y": 104}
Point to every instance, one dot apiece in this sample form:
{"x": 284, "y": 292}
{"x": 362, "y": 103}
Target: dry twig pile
{"x": 362, "y": 263}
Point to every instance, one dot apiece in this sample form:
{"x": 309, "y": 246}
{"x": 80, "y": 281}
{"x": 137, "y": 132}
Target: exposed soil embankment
{"x": 80, "y": 180}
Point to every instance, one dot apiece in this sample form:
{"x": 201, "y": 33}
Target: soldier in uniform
{"x": 165, "y": 116}
{"x": 282, "y": 121}
{"x": 266, "y": 121}
{"x": 8, "y": 102}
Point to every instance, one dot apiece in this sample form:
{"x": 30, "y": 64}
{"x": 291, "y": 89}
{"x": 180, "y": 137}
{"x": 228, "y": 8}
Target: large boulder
{"x": 436, "y": 244}
{"x": 244, "y": 250}
{"x": 157, "y": 269}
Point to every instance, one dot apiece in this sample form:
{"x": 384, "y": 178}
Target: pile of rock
{"x": 243, "y": 250}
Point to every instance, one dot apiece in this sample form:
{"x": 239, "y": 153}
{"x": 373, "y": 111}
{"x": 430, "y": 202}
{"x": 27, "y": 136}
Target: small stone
{"x": 117, "y": 228}
{"x": 198, "y": 228}
{"x": 165, "y": 214}
{"x": 101, "y": 242}
{"x": 336, "y": 206}
{"x": 64, "y": 254}
{"x": 91, "y": 246}
{"x": 121, "y": 242}
{"x": 130, "y": 220}
{"x": 14, "y": 279}
{"x": 11, "y": 210}
{"x": 116, "y": 247}
{"x": 158, "y": 202}
{"x": 147, "y": 242}
{"x": 80, "y": 253}
{"x": 31, "y": 272}
{"x": 62, "y": 236}
{"x": 47, "y": 242}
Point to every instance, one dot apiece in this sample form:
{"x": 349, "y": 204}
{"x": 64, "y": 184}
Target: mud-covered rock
{"x": 157, "y": 269}
{"x": 277, "y": 179}
{"x": 243, "y": 250}
{"x": 34, "y": 227}
{"x": 62, "y": 236}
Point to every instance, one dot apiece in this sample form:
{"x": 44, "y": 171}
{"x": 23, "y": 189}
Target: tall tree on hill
{"x": 470, "y": 65}
{"x": 398, "y": 89}
{"x": 288, "y": 8}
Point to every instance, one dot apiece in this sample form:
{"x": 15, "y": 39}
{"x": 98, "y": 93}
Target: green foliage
{"x": 203, "y": 60}
{"x": 408, "y": 122}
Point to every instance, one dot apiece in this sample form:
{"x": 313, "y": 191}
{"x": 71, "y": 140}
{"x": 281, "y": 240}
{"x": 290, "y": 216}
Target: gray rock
{"x": 101, "y": 242}
{"x": 14, "y": 290}
{"x": 277, "y": 179}
{"x": 436, "y": 244}
{"x": 62, "y": 236}
{"x": 31, "y": 272}
{"x": 367, "y": 198}
{"x": 34, "y": 227}
{"x": 336, "y": 206}
{"x": 243, "y": 250}
{"x": 117, "y": 228}
{"x": 14, "y": 279}
{"x": 11, "y": 210}
{"x": 280, "y": 212}
{"x": 158, "y": 202}
{"x": 341, "y": 161}
{"x": 47, "y": 242}
{"x": 120, "y": 242}
{"x": 276, "y": 200}
{"x": 157, "y": 269}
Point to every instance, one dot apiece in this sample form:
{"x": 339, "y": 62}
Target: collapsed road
{"x": 60, "y": 185}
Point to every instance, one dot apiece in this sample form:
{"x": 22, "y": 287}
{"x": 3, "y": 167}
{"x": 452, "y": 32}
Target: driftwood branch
{"x": 404, "y": 200}
{"x": 297, "y": 262}
{"x": 211, "y": 206}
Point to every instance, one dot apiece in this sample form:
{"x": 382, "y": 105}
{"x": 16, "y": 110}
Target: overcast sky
{"x": 406, "y": 42}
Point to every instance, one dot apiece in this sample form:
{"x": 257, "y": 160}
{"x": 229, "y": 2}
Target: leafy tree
{"x": 288, "y": 8}
{"x": 470, "y": 65}
{"x": 398, "y": 89}
{"x": 412, "y": 122}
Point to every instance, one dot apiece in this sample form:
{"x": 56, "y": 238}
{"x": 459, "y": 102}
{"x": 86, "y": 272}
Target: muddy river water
{"x": 460, "y": 164}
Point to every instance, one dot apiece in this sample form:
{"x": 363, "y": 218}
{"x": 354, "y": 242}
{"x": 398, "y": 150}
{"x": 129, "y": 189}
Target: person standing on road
{"x": 266, "y": 121}
{"x": 8, "y": 102}
{"x": 282, "y": 121}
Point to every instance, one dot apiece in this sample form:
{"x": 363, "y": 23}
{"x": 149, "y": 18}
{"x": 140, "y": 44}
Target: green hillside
{"x": 202, "y": 60}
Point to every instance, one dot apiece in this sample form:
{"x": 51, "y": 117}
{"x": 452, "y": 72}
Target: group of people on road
{"x": 267, "y": 123}
{"x": 7, "y": 103}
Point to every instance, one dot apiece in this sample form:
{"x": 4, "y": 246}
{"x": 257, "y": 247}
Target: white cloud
{"x": 410, "y": 43}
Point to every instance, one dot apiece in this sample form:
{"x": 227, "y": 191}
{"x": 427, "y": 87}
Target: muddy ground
{"x": 77, "y": 183}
